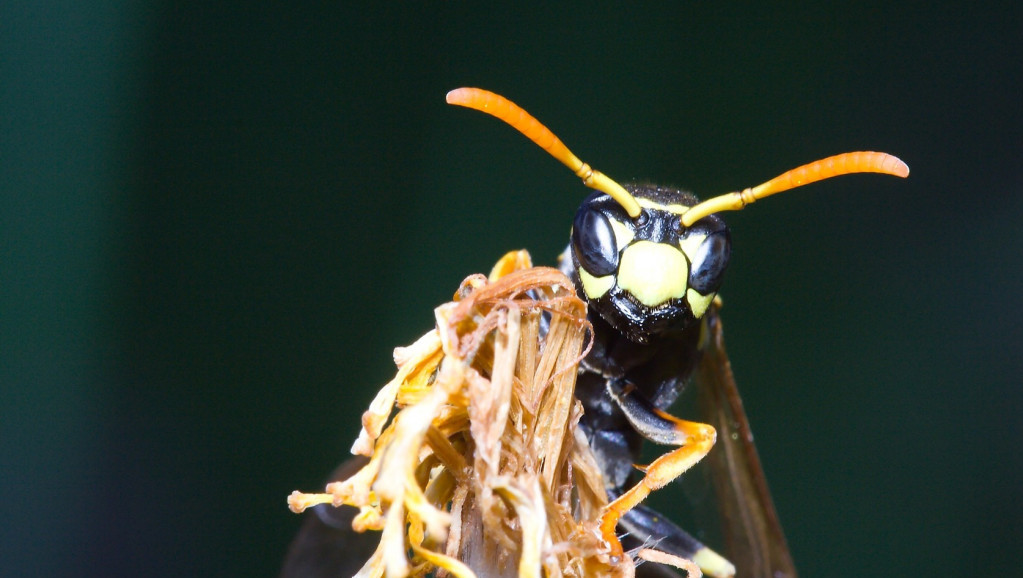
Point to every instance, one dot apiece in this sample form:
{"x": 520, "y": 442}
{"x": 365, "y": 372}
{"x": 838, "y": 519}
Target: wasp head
{"x": 649, "y": 274}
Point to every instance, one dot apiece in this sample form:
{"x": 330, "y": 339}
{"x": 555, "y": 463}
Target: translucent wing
{"x": 753, "y": 538}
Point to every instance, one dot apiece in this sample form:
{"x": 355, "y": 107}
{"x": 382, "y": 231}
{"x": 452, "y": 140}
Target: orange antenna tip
{"x": 459, "y": 96}
{"x": 895, "y": 167}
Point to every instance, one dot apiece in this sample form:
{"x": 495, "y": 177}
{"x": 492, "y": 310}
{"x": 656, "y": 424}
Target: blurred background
{"x": 218, "y": 220}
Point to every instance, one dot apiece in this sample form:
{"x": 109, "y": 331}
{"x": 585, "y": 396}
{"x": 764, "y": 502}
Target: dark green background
{"x": 218, "y": 220}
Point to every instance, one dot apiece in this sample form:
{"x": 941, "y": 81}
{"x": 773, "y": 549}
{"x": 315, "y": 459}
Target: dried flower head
{"x": 481, "y": 469}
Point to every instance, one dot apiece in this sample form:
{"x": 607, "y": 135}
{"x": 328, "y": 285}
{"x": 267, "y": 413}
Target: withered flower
{"x": 476, "y": 465}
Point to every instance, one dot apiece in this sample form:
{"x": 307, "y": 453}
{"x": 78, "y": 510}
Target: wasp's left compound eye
{"x": 593, "y": 242}
{"x": 709, "y": 262}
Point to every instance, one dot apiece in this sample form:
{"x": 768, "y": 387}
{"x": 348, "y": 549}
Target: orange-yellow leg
{"x": 695, "y": 438}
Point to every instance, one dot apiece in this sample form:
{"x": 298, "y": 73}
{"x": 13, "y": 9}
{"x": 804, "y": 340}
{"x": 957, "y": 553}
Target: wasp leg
{"x": 647, "y": 528}
{"x": 695, "y": 440}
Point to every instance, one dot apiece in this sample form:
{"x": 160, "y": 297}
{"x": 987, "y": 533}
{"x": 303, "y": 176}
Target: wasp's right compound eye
{"x": 593, "y": 242}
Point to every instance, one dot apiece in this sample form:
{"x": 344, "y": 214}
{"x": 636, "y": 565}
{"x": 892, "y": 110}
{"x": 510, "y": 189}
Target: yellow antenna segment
{"x": 511, "y": 113}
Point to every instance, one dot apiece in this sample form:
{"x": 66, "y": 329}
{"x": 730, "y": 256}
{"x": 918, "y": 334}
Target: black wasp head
{"x": 647, "y": 275}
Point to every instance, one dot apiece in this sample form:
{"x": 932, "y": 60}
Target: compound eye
{"x": 710, "y": 262}
{"x": 593, "y": 242}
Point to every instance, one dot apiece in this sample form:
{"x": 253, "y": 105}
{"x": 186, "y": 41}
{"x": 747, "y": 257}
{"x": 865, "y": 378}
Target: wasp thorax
{"x": 649, "y": 274}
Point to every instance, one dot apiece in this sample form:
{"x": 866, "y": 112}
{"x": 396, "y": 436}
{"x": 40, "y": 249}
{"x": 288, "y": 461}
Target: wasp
{"x": 649, "y": 262}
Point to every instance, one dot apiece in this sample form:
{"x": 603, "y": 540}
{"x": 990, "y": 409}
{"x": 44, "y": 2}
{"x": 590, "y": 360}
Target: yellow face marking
{"x": 595, "y": 287}
{"x": 653, "y": 272}
{"x": 623, "y": 234}
{"x": 675, "y": 208}
{"x": 698, "y": 303}
{"x": 690, "y": 244}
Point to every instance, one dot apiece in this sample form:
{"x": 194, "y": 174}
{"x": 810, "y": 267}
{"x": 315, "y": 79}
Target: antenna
{"x": 500, "y": 107}
{"x": 843, "y": 164}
